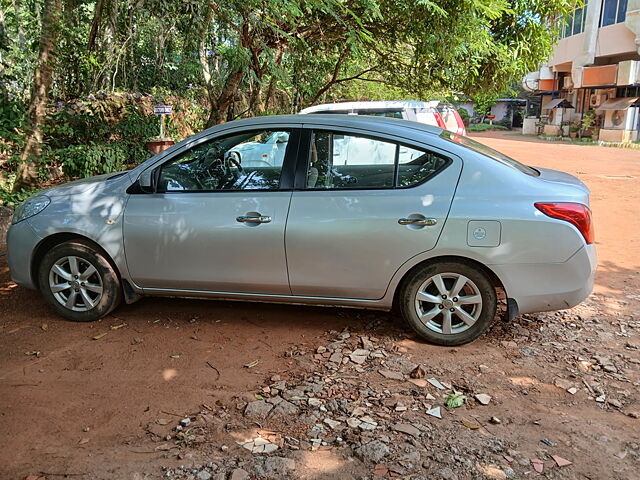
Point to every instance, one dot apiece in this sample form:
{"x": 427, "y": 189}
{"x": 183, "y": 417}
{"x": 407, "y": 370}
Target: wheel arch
{"x": 495, "y": 280}
{"x": 56, "y": 239}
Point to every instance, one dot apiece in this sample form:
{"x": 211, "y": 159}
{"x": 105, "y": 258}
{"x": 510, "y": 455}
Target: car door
{"x": 352, "y": 225}
{"x": 214, "y": 225}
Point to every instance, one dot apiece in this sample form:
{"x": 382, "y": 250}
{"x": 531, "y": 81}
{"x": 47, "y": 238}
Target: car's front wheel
{"x": 448, "y": 303}
{"x": 79, "y": 282}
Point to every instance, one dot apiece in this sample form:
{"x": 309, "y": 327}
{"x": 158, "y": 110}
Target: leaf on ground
{"x": 44, "y": 327}
{"x": 469, "y": 424}
{"x": 116, "y": 327}
{"x": 34, "y": 353}
{"x": 252, "y": 364}
{"x": 258, "y": 396}
{"x": 455, "y": 400}
{"x": 174, "y": 356}
{"x": 99, "y": 336}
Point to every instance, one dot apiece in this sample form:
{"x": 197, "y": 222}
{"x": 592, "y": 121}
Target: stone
{"x": 333, "y": 424}
{"x": 372, "y": 452}
{"x": 185, "y": 422}
{"x": 495, "y": 420}
{"x": 434, "y": 412}
{"x": 203, "y": 475}
{"x": 483, "y": 398}
{"x": 572, "y": 390}
{"x": 285, "y": 409}
{"x": 367, "y": 423}
{"x": 392, "y": 375}
{"x": 258, "y": 409}
{"x": 274, "y": 467}
{"x": 484, "y": 369}
{"x": 615, "y": 403}
{"x": 336, "y": 357}
{"x": 239, "y": 474}
{"x": 561, "y": 462}
{"x": 359, "y": 356}
{"x": 353, "y": 422}
{"x": 562, "y": 383}
{"x": 406, "y": 428}
{"x": 447, "y": 474}
{"x": 314, "y": 402}
{"x": 419, "y": 382}
{"x": 435, "y": 383}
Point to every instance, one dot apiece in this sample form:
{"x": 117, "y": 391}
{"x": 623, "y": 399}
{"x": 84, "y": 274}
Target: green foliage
{"x": 464, "y": 114}
{"x": 455, "y": 400}
{"x": 483, "y": 127}
{"x": 96, "y": 159}
{"x": 589, "y": 120}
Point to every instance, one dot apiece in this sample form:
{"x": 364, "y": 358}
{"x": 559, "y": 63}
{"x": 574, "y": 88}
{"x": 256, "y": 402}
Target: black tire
{"x": 480, "y": 284}
{"x": 104, "y": 274}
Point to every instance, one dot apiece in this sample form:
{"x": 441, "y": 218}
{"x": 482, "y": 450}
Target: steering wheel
{"x": 233, "y": 160}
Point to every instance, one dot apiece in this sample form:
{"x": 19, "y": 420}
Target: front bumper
{"x": 21, "y": 243}
{"x": 550, "y": 286}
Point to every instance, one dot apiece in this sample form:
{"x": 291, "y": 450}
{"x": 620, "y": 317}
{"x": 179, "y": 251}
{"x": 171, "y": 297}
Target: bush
{"x": 483, "y": 127}
{"x": 464, "y": 114}
{"x": 96, "y": 159}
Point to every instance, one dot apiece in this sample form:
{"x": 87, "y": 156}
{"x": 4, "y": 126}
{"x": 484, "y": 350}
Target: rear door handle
{"x": 258, "y": 219}
{"x": 421, "y": 222}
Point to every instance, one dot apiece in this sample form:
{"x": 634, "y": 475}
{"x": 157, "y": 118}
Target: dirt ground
{"x": 102, "y": 409}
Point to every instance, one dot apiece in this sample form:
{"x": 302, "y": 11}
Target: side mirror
{"x": 146, "y": 181}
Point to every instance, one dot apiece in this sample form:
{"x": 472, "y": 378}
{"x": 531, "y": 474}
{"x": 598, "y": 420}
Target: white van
{"x": 434, "y": 112}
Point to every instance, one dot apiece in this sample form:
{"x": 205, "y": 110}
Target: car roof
{"x": 373, "y": 105}
{"x": 394, "y": 126}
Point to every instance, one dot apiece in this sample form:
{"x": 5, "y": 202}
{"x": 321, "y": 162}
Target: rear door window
{"x": 345, "y": 161}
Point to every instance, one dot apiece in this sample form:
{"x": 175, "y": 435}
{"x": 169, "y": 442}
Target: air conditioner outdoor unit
{"x": 628, "y": 72}
{"x": 597, "y": 99}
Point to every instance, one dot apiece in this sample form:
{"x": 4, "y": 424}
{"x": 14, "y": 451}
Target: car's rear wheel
{"x": 79, "y": 282}
{"x": 448, "y": 303}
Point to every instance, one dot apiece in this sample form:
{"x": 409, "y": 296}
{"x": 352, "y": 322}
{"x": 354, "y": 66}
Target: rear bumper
{"x": 21, "y": 242}
{"x": 550, "y": 286}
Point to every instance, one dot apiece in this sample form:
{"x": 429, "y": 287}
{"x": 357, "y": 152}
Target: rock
{"x": 483, "y": 398}
{"x": 491, "y": 471}
{"x": 367, "y": 423}
{"x": 507, "y": 344}
{"x": 354, "y": 422}
{"x": 601, "y": 399}
{"x": 419, "y": 382}
{"x": 572, "y": 390}
{"x": 333, "y": 424}
{"x": 185, "y": 422}
{"x": 258, "y": 409}
{"x": 372, "y": 452}
{"x": 435, "y": 383}
{"x": 561, "y": 462}
{"x": 284, "y": 409}
{"x": 359, "y": 356}
{"x": 406, "y": 428}
{"x": 203, "y": 475}
{"x": 615, "y": 403}
{"x": 391, "y": 374}
{"x": 434, "y": 412}
{"x": 495, "y": 420}
{"x": 610, "y": 368}
{"x": 258, "y": 445}
{"x": 562, "y": 383}
{"x": 314, "y": 402}
{"x": 274, "y": 467}
{"x": 239, "y": 474}
{"x": 336, "y": 357}
{"x": 484, "y": 369}
{"x": 321, "y": 349}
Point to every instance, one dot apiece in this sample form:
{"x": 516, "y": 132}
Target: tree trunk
{"x": 27, "y": 174}
{"x": 95, "y": 25}
{"x": 220, "y": 105}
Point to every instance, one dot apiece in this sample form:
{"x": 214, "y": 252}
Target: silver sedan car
{"x": 346, "y": 211}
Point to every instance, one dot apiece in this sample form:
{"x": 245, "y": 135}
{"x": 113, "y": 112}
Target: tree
{"x": 27, "y": 173}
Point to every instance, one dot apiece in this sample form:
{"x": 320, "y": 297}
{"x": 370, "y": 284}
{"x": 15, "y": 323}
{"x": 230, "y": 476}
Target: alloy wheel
{"x": 75, "y": 283}
{"x": 448, "y": 303}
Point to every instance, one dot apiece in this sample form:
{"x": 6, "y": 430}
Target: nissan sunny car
{"x": 333, "y": 210}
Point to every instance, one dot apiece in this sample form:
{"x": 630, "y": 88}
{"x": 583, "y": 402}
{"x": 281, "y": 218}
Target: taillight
{"x": 439, "y": 121}
{"x": 575, "y": 213}
{"x": 461, "y": 129}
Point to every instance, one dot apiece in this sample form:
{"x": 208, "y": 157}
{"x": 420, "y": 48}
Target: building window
{"x": 575, "y": 21}
{"x": 613, "y": 11}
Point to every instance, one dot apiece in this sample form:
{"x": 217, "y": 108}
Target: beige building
{"x": 595, "y": 66}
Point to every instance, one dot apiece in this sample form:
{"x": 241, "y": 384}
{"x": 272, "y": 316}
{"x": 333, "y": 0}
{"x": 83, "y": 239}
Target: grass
{"x": 483, "y": 127}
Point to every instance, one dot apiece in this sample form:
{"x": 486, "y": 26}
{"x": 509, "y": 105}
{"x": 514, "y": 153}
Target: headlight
{"x": 30, "y": 207}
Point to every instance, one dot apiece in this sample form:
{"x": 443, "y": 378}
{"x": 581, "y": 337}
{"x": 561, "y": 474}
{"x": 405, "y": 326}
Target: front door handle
{"x": 250, "y": 219}
{"x": 420, "y": 222}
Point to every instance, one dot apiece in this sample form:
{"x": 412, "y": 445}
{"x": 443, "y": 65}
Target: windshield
{"x": 489, "y": 152}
